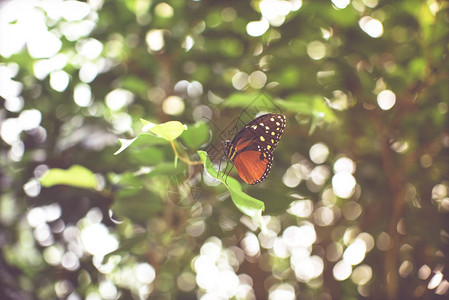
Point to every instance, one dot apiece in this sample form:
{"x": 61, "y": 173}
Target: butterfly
{"x": 251, "y": 150}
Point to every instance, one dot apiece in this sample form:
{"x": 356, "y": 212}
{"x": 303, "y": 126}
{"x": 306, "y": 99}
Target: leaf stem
{"x": 182, "y": 158}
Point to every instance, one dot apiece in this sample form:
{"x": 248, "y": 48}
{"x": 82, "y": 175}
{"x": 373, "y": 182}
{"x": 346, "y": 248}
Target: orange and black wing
{"x": 252, "y": 148}
{"x": 252, "y": 166}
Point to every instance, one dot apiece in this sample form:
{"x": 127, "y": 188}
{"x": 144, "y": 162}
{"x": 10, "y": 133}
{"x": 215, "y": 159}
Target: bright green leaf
{"x": 125, "y": 143}
{"x": 145, "y": 122}
{"x": 250, "y": 206}
{"x": 169, "y": 130}
{"x": 76, "y": 175}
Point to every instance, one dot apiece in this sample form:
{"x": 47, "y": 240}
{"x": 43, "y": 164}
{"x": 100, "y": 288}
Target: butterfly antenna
{"x": 217, "y": 128}
{"x": 210, "y": 121}
{"x": 239, "y": 118}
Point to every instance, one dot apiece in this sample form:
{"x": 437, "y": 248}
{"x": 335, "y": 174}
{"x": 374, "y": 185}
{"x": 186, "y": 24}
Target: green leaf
{"x": 166, "y": 169}
{"x": 309, "y": 105}
{"x": 143, "y": 139}
{"x": 128, "y": 179}
{"x": 145, "y": 122}
{"x": 248, "y": 205}
{"x": 147, "y": 155}
{"x": 275, "y": 197}
{"x": 259, "y": 101}
{"x": 131, "y": 179}
{"x": 76, "y": 175}
{"x": 137, "y": 196}
{"x": 168, "y": 131}
{"x": 240, "y": 99}
{"x": 196, "y": 135}
{"x": 125, "y": 143}
{"x": 136, "y": 204}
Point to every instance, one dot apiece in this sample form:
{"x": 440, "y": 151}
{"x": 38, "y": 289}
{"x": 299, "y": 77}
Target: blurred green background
{"x": 356, "y": 204}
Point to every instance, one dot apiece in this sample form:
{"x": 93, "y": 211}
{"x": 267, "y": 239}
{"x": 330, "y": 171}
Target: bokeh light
{"x": 383, "y": 241}
{"x": 340, "y": 4}
{"x": 342, "y": 270}
{"x": 118, "y": 99}
{"x": 435, "y": 280}
{"x": 362, "y": 274}
{"x": 75, "y": 76}
{"x": 301, "y": 208}
{"x": 257, "y": 28}
{"x": 59, "y": 80}
{"x": 355, "y": 252}
{"x": 283, "y": 291}
{"x": 343, "y": 184}
{"x": 339, "y": 100}
{"x": 386, "y": 99}
{"x": 405, "y": 269}
{"x": 318, "y": 153}
{"x": 240, "y": 80}
{"x": 155, "y": 40}
{"x": 371, "y": 26}
{"x": 82, "y": 95}
{"x": 257, "y": 79}
{"x": 173, "y": 105}
{"x": 97, "y": 240}
{"x": 316, "y": 50}
{"x": 214, "y": 273}
{"x": 164, "y": 10}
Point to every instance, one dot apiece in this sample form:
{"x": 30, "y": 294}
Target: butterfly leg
{"x": 225, "y": 169}
{"x": 219, "y": 166}
{"x": 226, "y": 179}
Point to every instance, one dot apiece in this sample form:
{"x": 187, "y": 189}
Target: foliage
{"x": 357, "y": 200}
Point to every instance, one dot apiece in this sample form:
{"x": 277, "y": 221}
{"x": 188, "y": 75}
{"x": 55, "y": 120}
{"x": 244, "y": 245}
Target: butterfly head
{"x": 226, "y": 146}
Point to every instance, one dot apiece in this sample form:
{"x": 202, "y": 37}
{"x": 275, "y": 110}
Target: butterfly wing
{"x": 251, "y": 168}
{"x": 252, "y": 148}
